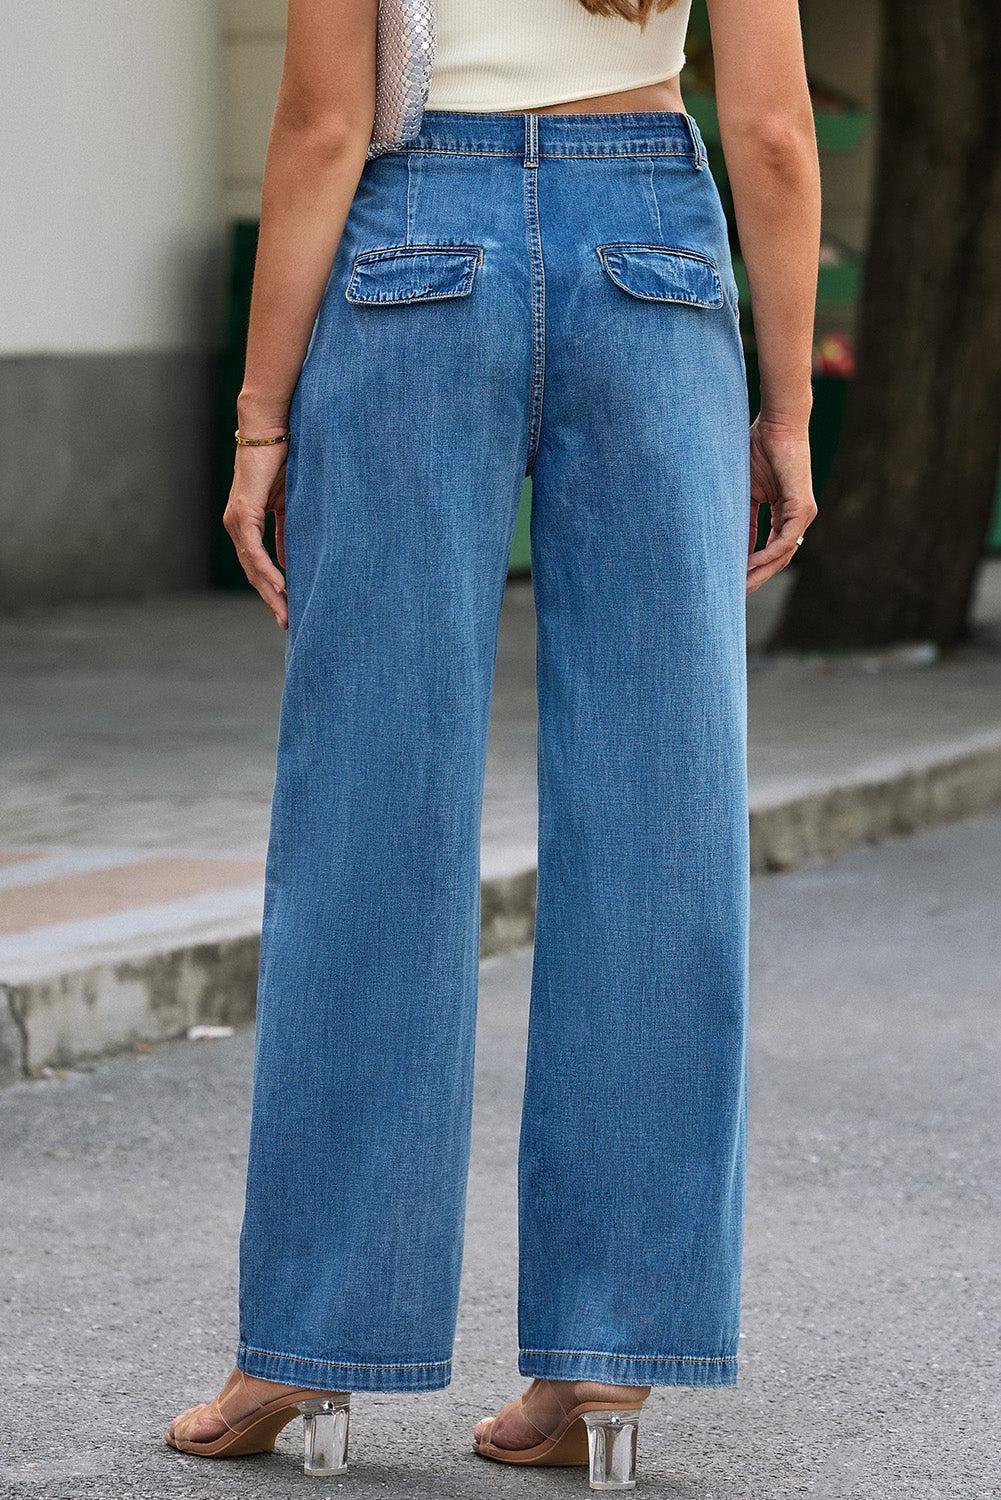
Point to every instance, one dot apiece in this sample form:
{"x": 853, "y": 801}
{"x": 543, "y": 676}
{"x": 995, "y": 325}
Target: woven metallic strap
{"x": 404, "y": 63}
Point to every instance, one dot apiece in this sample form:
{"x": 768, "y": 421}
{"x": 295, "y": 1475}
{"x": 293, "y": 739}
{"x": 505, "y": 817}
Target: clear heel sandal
{"x": 611, "y": 1448}
{"x": 255, "y": 1428}
{"x": 325, "y": 1433}
{"x": 591, "y": 1433}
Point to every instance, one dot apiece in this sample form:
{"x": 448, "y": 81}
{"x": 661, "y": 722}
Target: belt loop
{"x": 700, "y": 157}
{"x": 531, "y": 140}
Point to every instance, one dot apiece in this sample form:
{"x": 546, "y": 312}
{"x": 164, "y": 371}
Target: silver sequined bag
{"x": 404, "y": 60}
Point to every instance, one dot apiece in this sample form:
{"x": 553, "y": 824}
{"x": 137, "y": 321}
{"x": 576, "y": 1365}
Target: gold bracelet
{"x": 245, "y": 442}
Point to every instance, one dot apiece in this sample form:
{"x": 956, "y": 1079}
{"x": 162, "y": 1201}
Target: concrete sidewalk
{"x": 136, "y": 762}
{"x": 869, "y": 1356}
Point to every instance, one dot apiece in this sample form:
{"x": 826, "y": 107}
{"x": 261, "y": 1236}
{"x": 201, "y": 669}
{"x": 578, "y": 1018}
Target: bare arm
{"x": 766, "y": 125}
{"x": 319, "y": 139}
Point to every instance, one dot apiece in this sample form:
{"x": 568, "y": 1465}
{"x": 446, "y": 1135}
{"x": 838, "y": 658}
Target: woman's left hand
{"x": 259, "y": 487}
{"x": 781, "y": 478}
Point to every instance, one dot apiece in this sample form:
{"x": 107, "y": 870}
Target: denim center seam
{"x": 538, "y": 273}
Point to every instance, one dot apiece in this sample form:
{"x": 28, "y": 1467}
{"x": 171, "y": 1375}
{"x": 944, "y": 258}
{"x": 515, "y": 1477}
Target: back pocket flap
{"x": 413, "y": 273}
{"x": 660, "y": 273}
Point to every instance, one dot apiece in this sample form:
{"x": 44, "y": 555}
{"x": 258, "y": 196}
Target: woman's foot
{"x": 533, "y": 1419}
{"x": 240, "y": 1396}
{"x": 245, "y": 1417}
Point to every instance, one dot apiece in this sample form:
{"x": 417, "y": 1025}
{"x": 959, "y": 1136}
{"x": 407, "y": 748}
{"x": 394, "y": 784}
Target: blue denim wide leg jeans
{"x": 551, "y": 294}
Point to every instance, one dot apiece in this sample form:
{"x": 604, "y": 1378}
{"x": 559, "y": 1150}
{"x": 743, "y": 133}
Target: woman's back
{"x": 526, "y": 54}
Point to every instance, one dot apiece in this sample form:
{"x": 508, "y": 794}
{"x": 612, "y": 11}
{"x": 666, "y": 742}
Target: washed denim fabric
{"x": 551, "y": 294}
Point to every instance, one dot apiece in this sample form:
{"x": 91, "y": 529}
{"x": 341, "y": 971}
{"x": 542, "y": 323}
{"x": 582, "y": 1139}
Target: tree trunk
{"x": 894, "y": 554}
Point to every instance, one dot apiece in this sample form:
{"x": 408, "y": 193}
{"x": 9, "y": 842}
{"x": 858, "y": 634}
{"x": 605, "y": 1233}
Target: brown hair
{"x": 630, "y": 10}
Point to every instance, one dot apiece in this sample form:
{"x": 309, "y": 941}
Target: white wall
{"x": 131, "y": 129}
{"x": 109, "y": 174}
{"x": 253, "y": 43}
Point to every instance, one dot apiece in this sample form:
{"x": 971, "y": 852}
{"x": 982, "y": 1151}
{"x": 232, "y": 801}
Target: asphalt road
{"x": 871, "y": 1343}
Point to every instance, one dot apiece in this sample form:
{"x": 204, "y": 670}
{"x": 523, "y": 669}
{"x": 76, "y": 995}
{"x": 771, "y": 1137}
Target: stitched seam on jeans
{"x": 538, "y": 376}
{"x": 653, "y": 198}
{"x": 390, "y": 301}
{"x": 410, "y": 205}
{"x": 344, "y": 1364}
{"x": 697, "y": 149}
{"x": 673, "y": 1359}
{"x": 393, "y": 252}
{"x": 458, "y": 151}
{"x": 619, "y": 154}
{"x": 706, "y": 260}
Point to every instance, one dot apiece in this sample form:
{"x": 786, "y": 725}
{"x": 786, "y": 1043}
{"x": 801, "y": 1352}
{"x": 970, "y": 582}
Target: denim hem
{"x": 628, "y": 1369}
{"x": 342, "y": 1375}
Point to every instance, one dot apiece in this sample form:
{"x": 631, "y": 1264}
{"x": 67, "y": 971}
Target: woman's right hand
{"x": 781, "y": 478}
{"x": 259, "y": 486}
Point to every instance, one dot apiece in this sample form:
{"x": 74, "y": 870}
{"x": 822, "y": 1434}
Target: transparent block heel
{"x": 611, "y": 1448}
{"x": 325, "y": 1433}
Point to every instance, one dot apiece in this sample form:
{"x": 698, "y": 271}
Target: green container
{"x": 842, "y": 129}
{"x": 994, "y": 535}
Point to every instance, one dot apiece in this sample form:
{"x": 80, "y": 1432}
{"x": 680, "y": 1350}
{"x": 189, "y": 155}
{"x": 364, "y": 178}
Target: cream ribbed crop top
{"x": 523, "y": 54}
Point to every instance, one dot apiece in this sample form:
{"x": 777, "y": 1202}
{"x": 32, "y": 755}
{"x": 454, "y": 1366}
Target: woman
{"x": 540, "y": 282}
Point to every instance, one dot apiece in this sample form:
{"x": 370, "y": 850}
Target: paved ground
{"x": 136, "y": 762}
{"x": 151, "y": 726}
{"x": 872, "y": 1288}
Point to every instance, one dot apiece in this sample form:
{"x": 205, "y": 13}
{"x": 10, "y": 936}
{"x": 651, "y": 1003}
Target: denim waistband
{"x": 530, "y": 136}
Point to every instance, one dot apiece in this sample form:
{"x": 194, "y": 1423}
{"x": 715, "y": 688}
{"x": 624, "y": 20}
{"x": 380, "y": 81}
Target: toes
{"x": 481, "y": 1432}
{"x": 182, "y": 1428}
{"x": 173, "y": 1431}
{"x": 200, "y": 1424}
